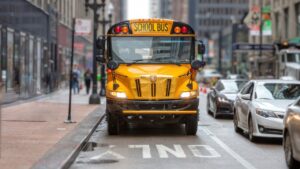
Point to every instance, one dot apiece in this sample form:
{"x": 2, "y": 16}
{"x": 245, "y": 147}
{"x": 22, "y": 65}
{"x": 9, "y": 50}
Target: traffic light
{"x": 100, "y": 50}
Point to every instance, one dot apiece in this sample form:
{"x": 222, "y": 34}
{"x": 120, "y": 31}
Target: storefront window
{"x": 16, "y": 63}
{"x": 0, "y": 54}
{"x": 38, "y": 65}
{"x": 30, "y": 67}
{"x": 22, "y": 65}
{"x": 10, "y": 54}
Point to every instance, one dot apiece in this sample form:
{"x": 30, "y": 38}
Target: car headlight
{"x": 188, "y": 94}
{"x": 121, "y": 95}
{"x": 266, "y": 113}
{"x": 223, "y": 100}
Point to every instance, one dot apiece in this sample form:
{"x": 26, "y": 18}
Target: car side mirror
{"x": 246, "y": 97}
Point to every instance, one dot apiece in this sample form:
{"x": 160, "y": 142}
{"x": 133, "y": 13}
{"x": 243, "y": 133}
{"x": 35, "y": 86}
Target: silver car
{"x": 260, "y": 107}
{"x": 291, "y": 139}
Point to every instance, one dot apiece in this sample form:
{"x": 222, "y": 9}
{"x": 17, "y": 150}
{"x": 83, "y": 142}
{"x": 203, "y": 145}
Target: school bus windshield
{"x": 152, "y": 49}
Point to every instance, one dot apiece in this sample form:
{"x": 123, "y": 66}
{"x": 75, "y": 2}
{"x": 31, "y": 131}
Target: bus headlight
{"x": 188, "y": 94}
{"x": 121, "y": 95}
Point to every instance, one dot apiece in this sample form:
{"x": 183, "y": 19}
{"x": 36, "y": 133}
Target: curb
{"x": 64, "y": 152}
{"x": 72, "y": 157}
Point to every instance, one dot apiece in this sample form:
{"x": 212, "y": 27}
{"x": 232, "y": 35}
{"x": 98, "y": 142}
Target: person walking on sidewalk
{"x": 75, "y": 82}
{"x": 87, "y": 80}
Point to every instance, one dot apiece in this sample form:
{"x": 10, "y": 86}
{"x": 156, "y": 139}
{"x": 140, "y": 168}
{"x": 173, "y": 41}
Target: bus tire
{"x": 191, "y": 125}
{"x": 112, "y": 124}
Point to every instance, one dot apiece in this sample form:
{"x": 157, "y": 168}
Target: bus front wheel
{"x": 191, "y": 125}
{"x": 112, "y": 124}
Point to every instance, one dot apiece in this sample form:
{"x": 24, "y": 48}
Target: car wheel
{"x": 208, "y": 106}
{"x": 235, "y": 123}
{"x": 251, "y": 130}
{"x": 112, "y": 124}
{"x": 191, "y": 125}
{"x": 288, "y": 152}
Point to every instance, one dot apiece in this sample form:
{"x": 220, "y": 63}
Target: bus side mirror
{"x": 113, "y": 65}
{"x": 197, "y": 64}
{"x": 100, "y": 50}
{"x": 201, "y": 48}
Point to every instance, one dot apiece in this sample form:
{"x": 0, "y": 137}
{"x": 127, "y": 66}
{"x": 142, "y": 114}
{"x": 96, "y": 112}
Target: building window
{"x": 298, "y": 18}
{"x": 286, "y": 18}
{"x": 276, "y": 23}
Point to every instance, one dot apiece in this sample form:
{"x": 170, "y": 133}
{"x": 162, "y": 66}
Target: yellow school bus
{"x": 151, "y": 71}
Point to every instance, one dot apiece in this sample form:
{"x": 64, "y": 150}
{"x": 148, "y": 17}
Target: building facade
{"x": 174, "y": 9}
{"x": 210, "y": 16}
{"x": 286, "y": 20}
{"x": 35, "y": 46}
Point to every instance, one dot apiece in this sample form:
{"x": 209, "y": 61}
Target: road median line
{"x": 236, "y": 156}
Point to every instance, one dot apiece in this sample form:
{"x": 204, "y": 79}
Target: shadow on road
{"x": 142, "y": 130}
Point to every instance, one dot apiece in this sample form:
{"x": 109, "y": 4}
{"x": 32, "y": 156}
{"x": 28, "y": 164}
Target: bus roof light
{"x": 184, "y": 29}
{"x": 177, "y": 29}
{"x": 118, "y": 29}
{"x": 125, "y": 29}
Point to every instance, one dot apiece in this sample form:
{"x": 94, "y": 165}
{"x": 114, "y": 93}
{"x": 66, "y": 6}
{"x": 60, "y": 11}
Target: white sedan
{"x": 260, "y": 107}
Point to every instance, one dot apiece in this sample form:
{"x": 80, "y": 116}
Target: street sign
{"x": 83, "y": 27}
{"x": 247, "y": 46}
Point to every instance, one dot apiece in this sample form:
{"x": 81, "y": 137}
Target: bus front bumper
{"x": 164, "y": 111}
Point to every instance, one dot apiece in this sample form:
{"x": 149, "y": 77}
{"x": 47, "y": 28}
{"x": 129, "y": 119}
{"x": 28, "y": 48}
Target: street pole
{"x": 69, "y": 118}
{"x": 220, "y": 52}
{"x": 103, "y": 75}
{"x": 94, "y": 98}
{"x": 260, "y": 36}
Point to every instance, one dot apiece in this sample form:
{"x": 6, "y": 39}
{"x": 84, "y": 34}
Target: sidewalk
{"x": 29, "y": 130}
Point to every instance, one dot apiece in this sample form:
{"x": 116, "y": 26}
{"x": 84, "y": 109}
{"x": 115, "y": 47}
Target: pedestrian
{"x": 75, "y": 82}
{"x": 87, "y": 80}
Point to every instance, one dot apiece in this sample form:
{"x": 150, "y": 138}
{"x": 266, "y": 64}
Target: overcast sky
{"x": 138, "y": 9}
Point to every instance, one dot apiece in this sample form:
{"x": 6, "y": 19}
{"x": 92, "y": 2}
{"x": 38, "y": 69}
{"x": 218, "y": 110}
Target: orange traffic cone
{"x": 204, "y": 90}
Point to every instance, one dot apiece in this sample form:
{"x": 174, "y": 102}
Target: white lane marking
{"x": 240, "y": 159}
{"x": 108, "y": 154}
{"x": 196, "y": 152}
{"x": 145, "y": 149}
{"x": 163, "y": 151}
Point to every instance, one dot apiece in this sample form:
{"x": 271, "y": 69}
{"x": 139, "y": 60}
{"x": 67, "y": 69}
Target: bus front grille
{"x": 138, "y": 87}
{"x": 168, "y": 87}
{"x": 153, "y": 89}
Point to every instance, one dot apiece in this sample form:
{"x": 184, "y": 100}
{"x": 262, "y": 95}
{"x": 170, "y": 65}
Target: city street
{"x": 216, "y": 145}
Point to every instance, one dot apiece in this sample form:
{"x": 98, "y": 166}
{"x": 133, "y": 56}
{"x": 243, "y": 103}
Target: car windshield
{"x": 278, "y": 91}
{"x": 232, "y": 86}
{"x": 152, "y": 49}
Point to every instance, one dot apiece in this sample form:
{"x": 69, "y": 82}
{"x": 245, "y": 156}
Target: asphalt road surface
{"x": 216, "y": 146}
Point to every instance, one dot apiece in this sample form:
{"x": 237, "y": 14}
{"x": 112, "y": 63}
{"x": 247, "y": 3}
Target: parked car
{"x": 260, "y": 107}
{"x": 236, "y": 76}
{"x": 221, "y": 97}
{"x": 291, "y": 135}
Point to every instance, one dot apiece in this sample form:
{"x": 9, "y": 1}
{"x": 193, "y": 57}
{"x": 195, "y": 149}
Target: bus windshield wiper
{"x": 135, "y": 61}
{"x": 171, "y": 61}
{"x": 139, "y": 60}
